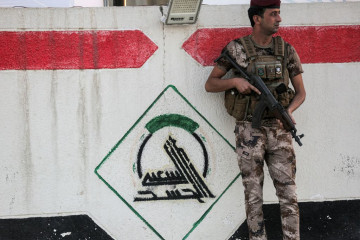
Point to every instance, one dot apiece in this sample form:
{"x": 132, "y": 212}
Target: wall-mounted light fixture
{"x": 183, "y": 11}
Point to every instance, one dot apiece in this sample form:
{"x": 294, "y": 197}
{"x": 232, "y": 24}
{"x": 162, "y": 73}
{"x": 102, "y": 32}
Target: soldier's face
{"x": 270, "y": 22}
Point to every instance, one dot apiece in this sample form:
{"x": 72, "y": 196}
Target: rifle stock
{"x": 267, "y": 101}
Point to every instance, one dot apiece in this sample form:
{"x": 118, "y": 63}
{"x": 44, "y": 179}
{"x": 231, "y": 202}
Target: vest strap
{"x": 249, "y": 47}
{"x": 279, "y": 46}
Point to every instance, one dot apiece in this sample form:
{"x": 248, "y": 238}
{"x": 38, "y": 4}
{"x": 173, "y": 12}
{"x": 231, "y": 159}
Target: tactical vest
{"x": 271, "y": 69}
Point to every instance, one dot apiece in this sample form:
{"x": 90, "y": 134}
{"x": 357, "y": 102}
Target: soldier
{"x": 276, "y": 62}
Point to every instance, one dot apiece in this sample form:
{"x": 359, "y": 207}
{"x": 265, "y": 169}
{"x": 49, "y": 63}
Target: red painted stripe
{"x": 74, "y": 49}
{"x": 323, "y": 44}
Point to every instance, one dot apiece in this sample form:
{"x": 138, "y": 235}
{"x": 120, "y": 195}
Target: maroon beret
{"x": 265, "y": 3}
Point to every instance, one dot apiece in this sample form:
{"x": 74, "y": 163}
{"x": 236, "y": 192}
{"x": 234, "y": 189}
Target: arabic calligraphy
{"x": 186, "y": 181}
{"x": 172, "y": 177}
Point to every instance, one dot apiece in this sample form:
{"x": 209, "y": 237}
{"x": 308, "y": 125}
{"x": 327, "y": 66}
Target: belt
{"x": 249, "y": 118}
{"x": 266, "y": 121}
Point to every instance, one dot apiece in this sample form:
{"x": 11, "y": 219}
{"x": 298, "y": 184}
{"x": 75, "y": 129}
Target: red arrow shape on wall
{"x": 320, "y": 44}
{"x": 34, "y": 50}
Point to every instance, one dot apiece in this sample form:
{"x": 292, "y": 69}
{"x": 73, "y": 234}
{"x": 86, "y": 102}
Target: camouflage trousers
{"x": 273, "y": 145}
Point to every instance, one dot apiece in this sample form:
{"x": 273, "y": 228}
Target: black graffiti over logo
{"x": 184, "y": 174}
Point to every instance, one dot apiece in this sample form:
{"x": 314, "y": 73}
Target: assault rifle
{"x": 267, "y": 101}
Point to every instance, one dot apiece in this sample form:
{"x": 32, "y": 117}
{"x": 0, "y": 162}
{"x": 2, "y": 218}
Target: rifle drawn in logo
{"x": 182, "y": 182}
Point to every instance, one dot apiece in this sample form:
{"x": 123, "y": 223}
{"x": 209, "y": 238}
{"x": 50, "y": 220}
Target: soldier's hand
{"x": 244, "y": 87}
{"x": 291, "y": 116}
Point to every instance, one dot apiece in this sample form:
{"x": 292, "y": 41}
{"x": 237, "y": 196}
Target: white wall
{"x": 58, "y": 125}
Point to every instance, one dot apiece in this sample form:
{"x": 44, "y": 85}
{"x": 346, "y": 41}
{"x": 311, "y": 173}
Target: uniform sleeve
{"x": 293, "y": 64}
{"x": 237, "y": 52}
{"x": 223, "y": 63}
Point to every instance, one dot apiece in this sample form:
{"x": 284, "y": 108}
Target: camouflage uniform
{"x": 273, "y": 145}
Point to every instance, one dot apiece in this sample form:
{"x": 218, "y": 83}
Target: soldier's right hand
{"x": 244, "y": 87}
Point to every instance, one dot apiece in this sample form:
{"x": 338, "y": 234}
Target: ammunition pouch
{"x": 242, "y": 106}
{"x": 237, "y": 104}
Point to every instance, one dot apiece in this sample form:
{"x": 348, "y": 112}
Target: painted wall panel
{"x": 58, "y": 125}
